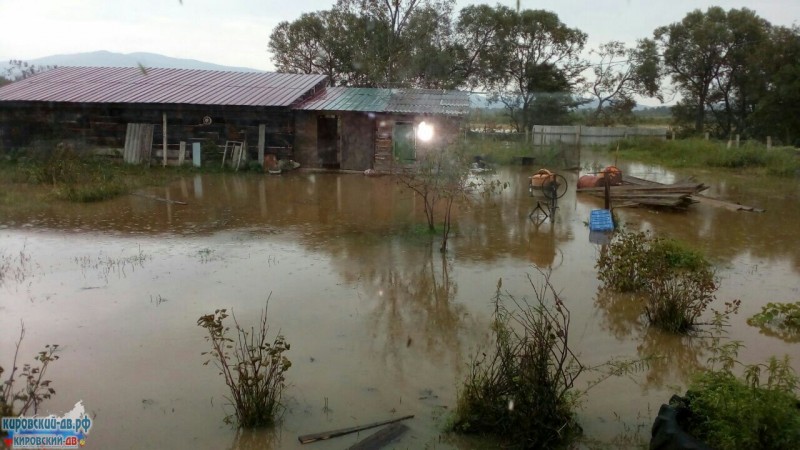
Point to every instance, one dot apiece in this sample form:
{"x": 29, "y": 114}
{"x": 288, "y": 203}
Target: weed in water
{"x": 16, "y": 268}
{"x": 254, "y": 368}
{"x": 106, "y": 265}
{"x": 781, "y": 320}
{"x": 523, "y": 392}
{"x": 205, "y": 254}
{"x": 36, "y": 389}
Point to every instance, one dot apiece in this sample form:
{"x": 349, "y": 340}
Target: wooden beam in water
{"x": 378, "y": 440}
{"x": 307, "y": 438}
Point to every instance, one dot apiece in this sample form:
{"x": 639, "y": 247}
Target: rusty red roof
{"x": 163, "y": 86}
{"x": 407, "y": 101}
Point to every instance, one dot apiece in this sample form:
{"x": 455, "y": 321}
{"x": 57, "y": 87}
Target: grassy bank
{"x": 699, "y": 153}
{"x": 69, "y": 175}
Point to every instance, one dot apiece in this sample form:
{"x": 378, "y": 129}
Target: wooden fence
{"x": 543, "y": 135}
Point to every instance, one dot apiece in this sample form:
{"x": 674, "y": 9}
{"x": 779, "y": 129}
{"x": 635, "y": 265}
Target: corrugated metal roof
{"x": 170, "y": 86}
{"x": 408, "y": 101}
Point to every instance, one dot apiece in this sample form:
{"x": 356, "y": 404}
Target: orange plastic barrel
{"x": 587, "y": 181}
{"x": 611, "y": 175}
{"x": 538, "y": 179}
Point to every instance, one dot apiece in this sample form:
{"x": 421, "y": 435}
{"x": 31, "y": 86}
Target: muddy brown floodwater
{"x": 380, "y": 325}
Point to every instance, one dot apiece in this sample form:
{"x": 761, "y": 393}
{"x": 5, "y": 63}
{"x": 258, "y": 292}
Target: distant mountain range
{"x": 104, "y": 58}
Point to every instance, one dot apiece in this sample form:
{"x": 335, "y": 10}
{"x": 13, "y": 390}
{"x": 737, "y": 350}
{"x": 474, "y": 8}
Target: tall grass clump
{"x": 677, "y": 283}
{"x": 77, "y": 176}
{"x": 252, "y": 365}
{"x": 778, "y": 161}
{"x": 523, "y": 392}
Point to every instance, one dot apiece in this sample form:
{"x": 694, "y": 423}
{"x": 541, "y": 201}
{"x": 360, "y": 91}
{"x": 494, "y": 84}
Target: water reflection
{"x": 672, "y": 357}
{"x": 412, "y": 297}
{"x": 258, "y": 439}
{"x": 621, "y": 313}
{"x": 677, "y": 356}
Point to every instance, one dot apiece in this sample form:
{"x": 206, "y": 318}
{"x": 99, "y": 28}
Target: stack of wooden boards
{"x": 636, "y": 191}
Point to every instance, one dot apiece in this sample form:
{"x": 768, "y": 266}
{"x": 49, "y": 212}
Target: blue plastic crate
{"x": 600, "y": 220}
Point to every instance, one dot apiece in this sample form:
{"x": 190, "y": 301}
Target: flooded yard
{"x": 380, "y": 324}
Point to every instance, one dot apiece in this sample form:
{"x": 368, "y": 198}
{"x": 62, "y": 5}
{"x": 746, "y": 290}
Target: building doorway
{"x": 403, "y": 142}
{"x": 328, "y": 141}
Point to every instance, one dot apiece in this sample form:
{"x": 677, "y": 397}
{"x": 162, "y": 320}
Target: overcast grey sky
{"x": 236, "y": 32}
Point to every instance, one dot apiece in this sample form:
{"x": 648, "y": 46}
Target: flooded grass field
{"x": 380, "y": 324}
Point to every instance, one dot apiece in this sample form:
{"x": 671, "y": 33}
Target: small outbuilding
{"x": 372, "y": 128}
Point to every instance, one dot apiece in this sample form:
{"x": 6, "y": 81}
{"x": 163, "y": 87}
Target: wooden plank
{"x": 127, "y": 151}
{"x": 307, "y": 438}
{"x": 262, "y": 131}
{"x": 164, "y": 140}
{"x": 182, "y": 153}
{"x": 725, "y": 204}
{"x": 378, "y": 440}
{"x": 639, "y": 181}
{"x": 237, "y": 155}
{"x": 159, "y": 199}
{"x": 719, "y": 203}
{"x": 136, "y": 143}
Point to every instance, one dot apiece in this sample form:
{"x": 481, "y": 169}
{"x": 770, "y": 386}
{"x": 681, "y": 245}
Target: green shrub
{"x": 523, "y": 392}
{"x": 62, "y": 165}
{"x": 677, "y": 283}
{"x": 731, "y": 413}
{"x": 254, "y": 369}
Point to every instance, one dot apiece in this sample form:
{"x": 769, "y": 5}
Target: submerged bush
{"x": 779, "y": 319}
{"x": 677, "y": 283}
{"x": 253, "y": 367}
{"x": 523, "y": 391}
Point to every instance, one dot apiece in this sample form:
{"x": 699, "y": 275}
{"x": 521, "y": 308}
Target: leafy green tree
{"x": 777, "y": 112}
{"x": 740, "y": 83}
{"x": 521, "y": 58}
{"x": 713, "y": 58}
{"x": 477, "y": 30}
{"x": 429, "y": 58}
{"x": 694, "y": 55}
{"x": 19, "y": 70}
{"x": 620, "y": 74}
{"x": 371, "y": 44}
{"x": 301, "y": 46}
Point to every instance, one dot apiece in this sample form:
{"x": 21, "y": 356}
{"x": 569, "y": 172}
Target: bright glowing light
{"x": 424, "y": 132}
